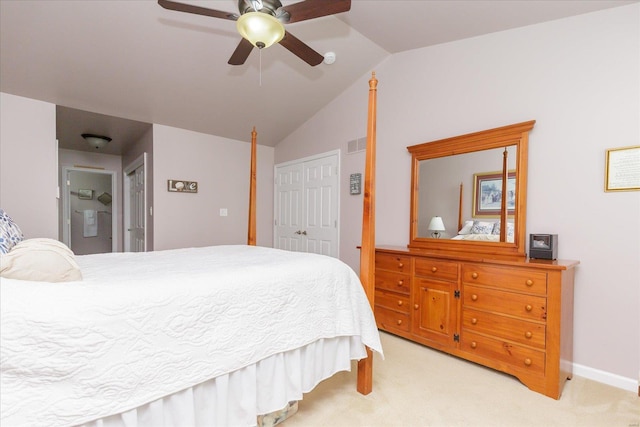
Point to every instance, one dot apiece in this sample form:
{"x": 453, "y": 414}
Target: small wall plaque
{"x": 180, "y": 186}
{"x": 85, "y": 194}
{"x": 355, "y": 183}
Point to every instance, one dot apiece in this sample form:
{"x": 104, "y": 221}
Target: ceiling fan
{"x": 261, "y": 24}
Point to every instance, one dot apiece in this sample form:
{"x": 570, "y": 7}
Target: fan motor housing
{"x": 268, "y": 6}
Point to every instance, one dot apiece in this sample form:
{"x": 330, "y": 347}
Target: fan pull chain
{"x": 260, "y": 50}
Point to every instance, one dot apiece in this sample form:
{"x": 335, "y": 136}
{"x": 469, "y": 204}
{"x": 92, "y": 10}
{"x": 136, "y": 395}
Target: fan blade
{"x": 310, "y": 9}
{"x": 188, "y": 8}
{"x": 241, "y": 53}
{"x": 301, "y": 50}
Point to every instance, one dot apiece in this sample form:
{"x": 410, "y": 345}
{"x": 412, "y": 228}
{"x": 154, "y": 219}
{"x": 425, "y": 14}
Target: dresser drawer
{"x": 392, "y": 301}
{"x": 398, "y": 263}
{"x": 521, "y": 280}
{"x": 509, "y": 303}
{"x": 391, "y": 281}
{"x": 520, "y": 331}
{"x": 390, "y": 320}
{"x": 436, "y": 269}
{"x": 515, "y": 356}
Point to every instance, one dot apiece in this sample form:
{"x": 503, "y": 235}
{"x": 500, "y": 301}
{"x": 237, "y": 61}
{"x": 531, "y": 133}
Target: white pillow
{"x": 466, "y": 228}
{"x": 44, "y": 260}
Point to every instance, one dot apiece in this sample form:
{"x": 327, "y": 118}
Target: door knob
{"x": 304, "y": 233}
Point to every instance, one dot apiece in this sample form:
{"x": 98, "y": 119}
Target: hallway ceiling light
{"x": 96, "y": 141}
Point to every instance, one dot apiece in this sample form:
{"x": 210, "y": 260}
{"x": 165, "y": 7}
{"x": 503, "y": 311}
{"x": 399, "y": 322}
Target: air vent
{"x": 357, "y": 145}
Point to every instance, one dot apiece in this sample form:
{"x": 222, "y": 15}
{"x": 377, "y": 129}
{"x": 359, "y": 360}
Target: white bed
{"x": 198, "y": 336}
{"x": 483, "y": 231}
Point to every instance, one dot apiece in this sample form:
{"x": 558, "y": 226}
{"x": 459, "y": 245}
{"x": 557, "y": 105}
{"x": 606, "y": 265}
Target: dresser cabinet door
{"x": 435, "y": 308}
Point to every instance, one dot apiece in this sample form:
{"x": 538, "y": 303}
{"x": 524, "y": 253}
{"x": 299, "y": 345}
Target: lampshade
{"x": 436, "y": 225}
{"x": 261, "y": 29}
{"x": 96, "y": 141}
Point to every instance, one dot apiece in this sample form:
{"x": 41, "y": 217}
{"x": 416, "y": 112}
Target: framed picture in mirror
{"x": 487, "y": 194}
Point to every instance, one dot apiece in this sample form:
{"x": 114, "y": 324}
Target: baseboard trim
{"x": 608, "y": 378}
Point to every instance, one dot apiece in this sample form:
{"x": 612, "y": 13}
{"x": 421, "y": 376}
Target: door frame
{"x": 66, "y": 204}
{"x": 331, "y": 153}
{"x": 126, "y": 209}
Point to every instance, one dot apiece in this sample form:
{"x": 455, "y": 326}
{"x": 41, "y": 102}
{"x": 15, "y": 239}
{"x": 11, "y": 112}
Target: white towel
{"x": 90, "y": 223}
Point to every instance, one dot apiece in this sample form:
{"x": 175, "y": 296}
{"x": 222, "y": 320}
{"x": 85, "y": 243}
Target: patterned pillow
{"x": 10, "y": 233}
{"x": 482, "y": 227}
{"x": 496, "y": 228}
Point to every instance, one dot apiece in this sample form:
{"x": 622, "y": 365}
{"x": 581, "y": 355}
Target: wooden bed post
{"x": 251, "y": 239}
{"x": 503, "y": 202}
{"x": 460, "y": 215}
{"x": 367, "y": 252}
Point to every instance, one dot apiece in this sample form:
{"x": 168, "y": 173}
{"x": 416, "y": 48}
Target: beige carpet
{"x": 418, "y": 386}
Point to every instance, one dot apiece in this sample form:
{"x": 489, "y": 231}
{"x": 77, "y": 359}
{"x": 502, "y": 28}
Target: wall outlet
{"x": 223, "y": 212}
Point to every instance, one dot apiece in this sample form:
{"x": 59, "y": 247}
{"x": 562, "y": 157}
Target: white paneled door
{"x": 306, "y": 205}
{"x": 135, "y": 205}
{"x": 137, "y": 213}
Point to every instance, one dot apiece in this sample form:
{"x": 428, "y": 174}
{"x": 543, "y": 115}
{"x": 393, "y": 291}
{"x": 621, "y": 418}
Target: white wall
{"x": 221, "y": 167}
{"x": 580, "y": 79}
{"x": 28, "y": 175}
{"x": 29, "y": 179}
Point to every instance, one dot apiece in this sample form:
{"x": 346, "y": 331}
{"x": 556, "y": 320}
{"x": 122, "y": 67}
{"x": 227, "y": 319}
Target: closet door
{"x": 288, "y": 206}
{"x": 320, "y": 220}
{"x": 306, "y": 217}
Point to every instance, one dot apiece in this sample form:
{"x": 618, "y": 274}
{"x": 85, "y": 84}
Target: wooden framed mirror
{"x": 457, "y": 188}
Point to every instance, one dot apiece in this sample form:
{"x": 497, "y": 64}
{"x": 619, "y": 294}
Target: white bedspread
{"x": 144, "y": 325}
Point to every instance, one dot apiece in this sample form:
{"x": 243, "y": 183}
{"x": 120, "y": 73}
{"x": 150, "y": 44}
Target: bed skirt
{"x": 238, "y": 398}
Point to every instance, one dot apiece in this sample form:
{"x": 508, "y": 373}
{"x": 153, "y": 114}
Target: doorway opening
{"x": 89, "y": 201}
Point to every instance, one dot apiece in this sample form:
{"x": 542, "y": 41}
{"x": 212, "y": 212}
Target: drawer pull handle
{"x": 474, "y": 275}
{"x": 400, "y": 303}
{"x": 416, "y": 306}
{"x": 399, "y": 322}
{"x": 400, "y": 265}
{"x": 528, "y": 307}
{"x": 474, "y": 297}
{"x": 474, "y": 344}
{"x": 434, "y": 269}
{"x": 528, "y": 334}
{"x": 474, "y": 321}
{"x": 400, "y": 282}
{"x": 529, "y": 282}
{"x": 527, "y": 362}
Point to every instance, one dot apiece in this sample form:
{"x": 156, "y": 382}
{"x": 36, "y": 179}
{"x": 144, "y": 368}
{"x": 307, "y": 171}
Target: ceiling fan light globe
{"x": 261, "y": 29}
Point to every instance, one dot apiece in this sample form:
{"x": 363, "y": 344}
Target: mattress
{"x": 143, "y": 326}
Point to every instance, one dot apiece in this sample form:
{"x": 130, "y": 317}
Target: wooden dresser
{"x": 513, "y": 315}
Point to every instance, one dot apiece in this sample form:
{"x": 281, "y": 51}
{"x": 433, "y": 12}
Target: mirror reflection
{"x": 459, "y": 196}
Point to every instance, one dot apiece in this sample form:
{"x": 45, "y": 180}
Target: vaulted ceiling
{"x": 135, "y": 60}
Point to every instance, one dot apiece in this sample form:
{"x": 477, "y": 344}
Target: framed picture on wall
{"x": 487, "y": 194}
{"x": 85, "y": 194}
{"x": 622, "y": 169}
